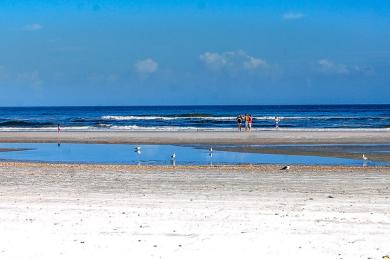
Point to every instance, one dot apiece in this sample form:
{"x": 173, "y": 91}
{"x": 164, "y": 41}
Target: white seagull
{"x": 211, "y": 149}
{"x": 138, "y": 148}
{"x": 364, "y": 157}
{"x": 173, "y": 156}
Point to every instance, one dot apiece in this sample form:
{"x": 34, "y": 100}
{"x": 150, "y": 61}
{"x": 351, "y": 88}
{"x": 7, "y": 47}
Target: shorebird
{"x": 211, "y": 149}
{"x": 173, "y": 156}
{"x": 137, "y": 149}
{"x": 364, "y": 157}
{"x": 286, "y": 168}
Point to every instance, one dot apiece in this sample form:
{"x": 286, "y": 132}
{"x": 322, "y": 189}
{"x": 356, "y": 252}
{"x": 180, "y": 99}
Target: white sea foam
{"x": 43, "y": 129}
{"x": 124, "y": 118}
{"x": 232, "y": 118}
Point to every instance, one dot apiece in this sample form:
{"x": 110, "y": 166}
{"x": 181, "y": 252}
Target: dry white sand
{"x": 123, "y": 212}
{"x": 206, "y": 137}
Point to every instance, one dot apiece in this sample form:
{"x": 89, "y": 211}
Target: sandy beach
{"x": 59, "y": 211}
{"x": 203, "y": 137}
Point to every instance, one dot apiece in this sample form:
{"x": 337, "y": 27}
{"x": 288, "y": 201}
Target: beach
{"x": 325, "y": 136}
{"x": 62, "y": 211}
{"x": 100, "y": 211}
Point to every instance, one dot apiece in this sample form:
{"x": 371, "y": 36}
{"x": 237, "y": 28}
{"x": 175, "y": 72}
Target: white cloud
{"x": 232, "y": 60}
{"x": 214, "y": 60}
{"x": 32, "y": 27}
{"x": 330, "y": 67}
{"x": 146, "y": 66}
{"x": 293, "y": 16}
{"x": 327, "y": 66}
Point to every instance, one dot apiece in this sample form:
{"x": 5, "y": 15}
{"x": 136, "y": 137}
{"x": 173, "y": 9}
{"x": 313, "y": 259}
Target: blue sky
{"x": 194, "y": 52}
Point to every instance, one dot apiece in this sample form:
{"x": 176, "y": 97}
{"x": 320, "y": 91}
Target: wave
{"x": 129, "y": 118}
{"x": 44, "y": 129}
{"x": 23, "y": 123}
{"x": 233, "y": 118}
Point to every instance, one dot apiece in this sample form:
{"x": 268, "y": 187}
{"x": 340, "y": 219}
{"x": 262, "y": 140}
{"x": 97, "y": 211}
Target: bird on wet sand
{"x": 364, "y": 157}
{"x": 286, "y": 168}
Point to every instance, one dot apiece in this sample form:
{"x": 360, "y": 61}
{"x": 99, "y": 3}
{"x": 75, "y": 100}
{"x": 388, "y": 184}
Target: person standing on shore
{"x": 249, "y": 122}
{"x": 239, "y": 122}
{"x": 246, "y": 118}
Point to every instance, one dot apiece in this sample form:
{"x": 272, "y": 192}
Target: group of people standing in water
{"x": 247, "y": 119}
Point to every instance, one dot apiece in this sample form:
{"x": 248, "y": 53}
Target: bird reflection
{"x": 365, "y": 160}
{"x": 173, "y": 159}
{"x": 211, "y": 156}
{"x": 137, "y": 150}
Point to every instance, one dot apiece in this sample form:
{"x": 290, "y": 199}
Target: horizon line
{"x": 249, "y": 105}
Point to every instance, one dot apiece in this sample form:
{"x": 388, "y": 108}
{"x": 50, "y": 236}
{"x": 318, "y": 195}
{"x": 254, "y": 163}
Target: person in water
{"x": 249, "y": 122}
{"x": 246, "y": 118}
{"x": 277, "y": 120}
{"x": 239, "y": 122}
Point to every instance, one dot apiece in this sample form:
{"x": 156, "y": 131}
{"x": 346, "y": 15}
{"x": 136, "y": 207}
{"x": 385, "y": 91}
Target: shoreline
{"x": 196, "y": 168}
{"x": 193, "y": 137}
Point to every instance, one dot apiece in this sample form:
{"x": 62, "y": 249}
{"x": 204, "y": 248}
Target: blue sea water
{"x": 192, "y": 117}
{"x": 158, "y": 155}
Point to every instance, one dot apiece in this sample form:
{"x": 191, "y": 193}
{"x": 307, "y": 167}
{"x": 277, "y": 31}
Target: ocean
{"x": 179, "y": 118}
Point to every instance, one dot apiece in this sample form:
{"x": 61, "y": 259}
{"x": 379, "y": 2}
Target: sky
{"x": 64, "y": 53}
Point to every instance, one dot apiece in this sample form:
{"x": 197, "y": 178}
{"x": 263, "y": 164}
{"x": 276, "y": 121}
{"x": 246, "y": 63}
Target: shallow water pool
{"x": 156, "y": 155}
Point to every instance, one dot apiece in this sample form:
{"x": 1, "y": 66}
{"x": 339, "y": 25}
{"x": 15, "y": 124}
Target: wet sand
{"x": 377, "y": 153}
{"x": 205, "y": 137}
{"x": 12, "y": 149}
{"x": 59, "y": 211}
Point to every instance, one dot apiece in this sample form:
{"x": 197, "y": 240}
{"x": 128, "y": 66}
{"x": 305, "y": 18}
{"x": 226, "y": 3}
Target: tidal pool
{"x": 157, "y": 155}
